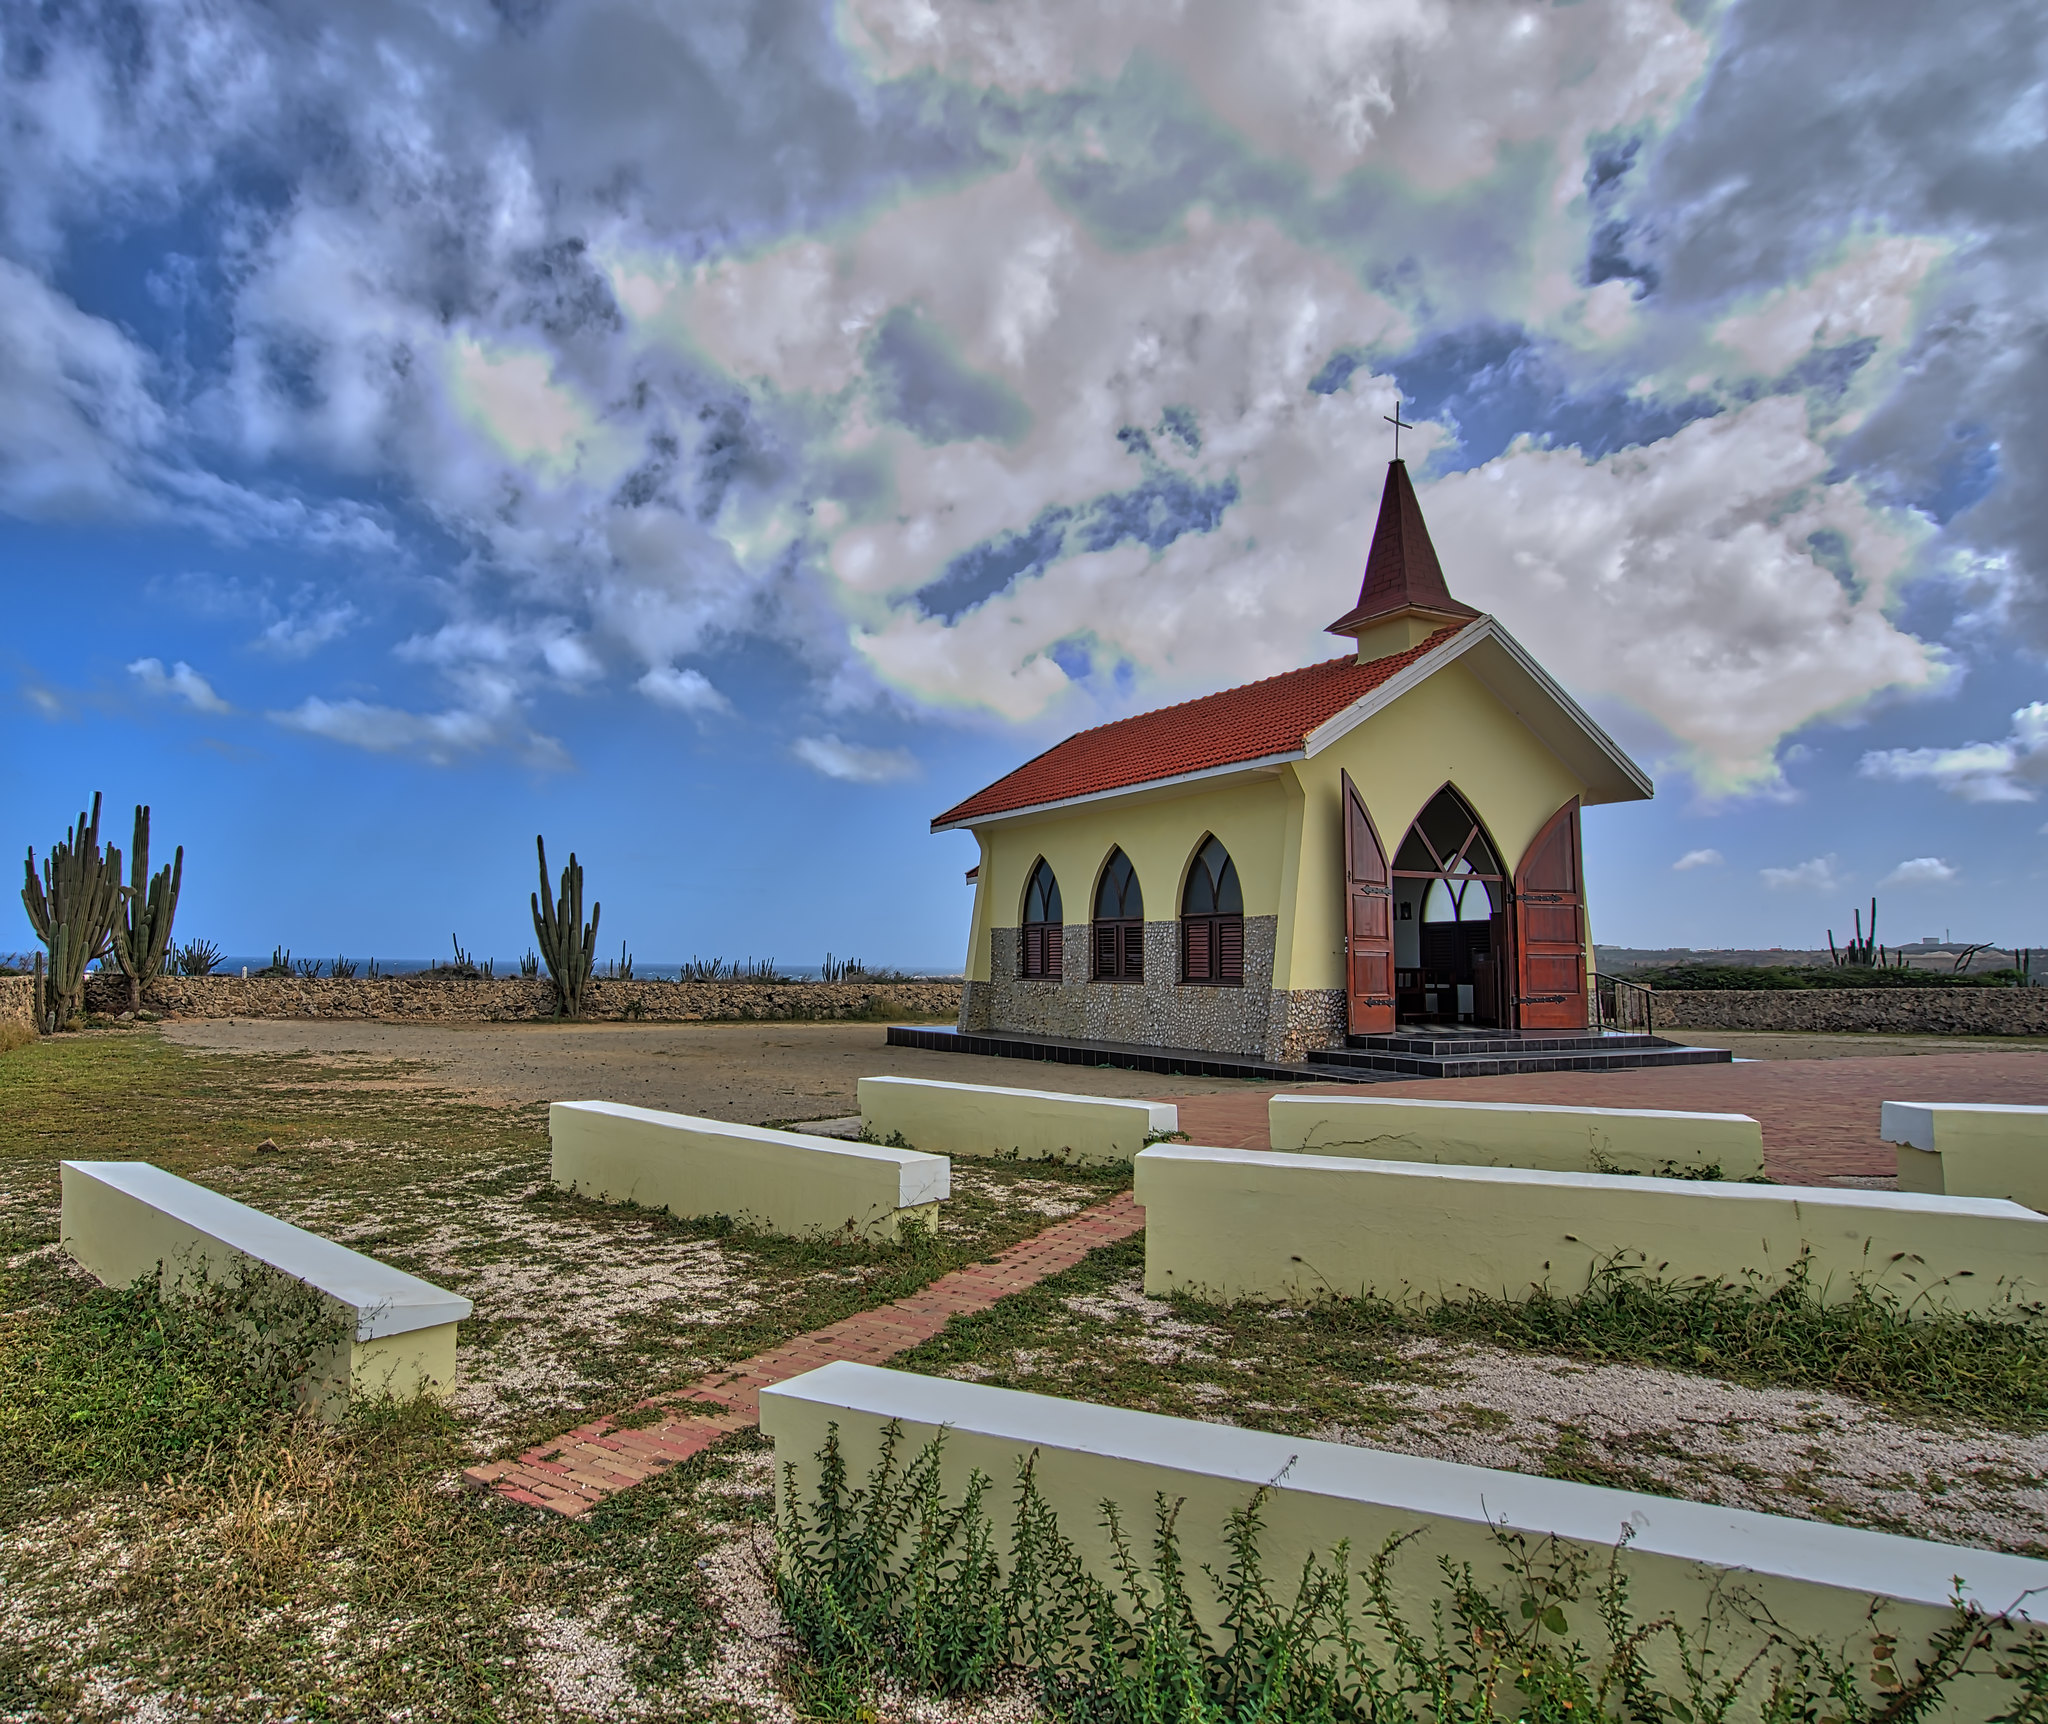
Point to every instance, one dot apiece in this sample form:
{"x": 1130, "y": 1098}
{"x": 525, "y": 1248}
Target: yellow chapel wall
{"x": 1451, "y": 728}
{"x": 1160, "y": 832}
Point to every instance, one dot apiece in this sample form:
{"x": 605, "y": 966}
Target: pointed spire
{"x": 1402, "y": 575}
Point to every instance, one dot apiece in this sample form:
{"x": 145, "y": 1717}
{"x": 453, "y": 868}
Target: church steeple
{"x": 1403, "y": 599}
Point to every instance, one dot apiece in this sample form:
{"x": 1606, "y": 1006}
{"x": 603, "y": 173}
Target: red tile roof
{"x": 1260, "y": 719}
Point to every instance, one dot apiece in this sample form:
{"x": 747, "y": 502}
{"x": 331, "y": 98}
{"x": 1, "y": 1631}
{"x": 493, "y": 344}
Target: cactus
{"x": 72, "y": 908}
{"x": 568, "y": 945}
{"x": 142, "y": 928}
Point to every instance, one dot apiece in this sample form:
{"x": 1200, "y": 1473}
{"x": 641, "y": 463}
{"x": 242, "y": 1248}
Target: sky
{"x": 719, "y": 436}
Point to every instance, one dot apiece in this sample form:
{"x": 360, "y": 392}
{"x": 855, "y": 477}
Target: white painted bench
{"x": 1250, "y": 1224}
{"x": 1970, "y": 1149}
{"x": 1814, "y": 1579}
{"x": 1031, "y": 1124}
{"x": 1516, "y": 1134}
{"x": 778, "y": 1181}
{"x": 126, "y": 1219}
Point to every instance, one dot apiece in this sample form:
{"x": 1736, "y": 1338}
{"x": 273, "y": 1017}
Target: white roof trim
{"x": 1486, "y": 628}
{"x": 1266, "y": 762}
{"x": 1482, "y": 629}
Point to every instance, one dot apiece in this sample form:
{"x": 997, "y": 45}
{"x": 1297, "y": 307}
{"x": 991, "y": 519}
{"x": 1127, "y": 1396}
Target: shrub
{"x": 1723, "y": 978}
{"x": 892, "y": 1584}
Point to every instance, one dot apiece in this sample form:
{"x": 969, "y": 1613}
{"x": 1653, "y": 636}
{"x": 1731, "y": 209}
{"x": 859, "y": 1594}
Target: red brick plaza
{"x": 1819, "y": 1115}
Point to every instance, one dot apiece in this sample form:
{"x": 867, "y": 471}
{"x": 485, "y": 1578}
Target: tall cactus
{"x": 568, "y": 945}
{"x": 72, "y": 908}
{"x": 142, "y": 928}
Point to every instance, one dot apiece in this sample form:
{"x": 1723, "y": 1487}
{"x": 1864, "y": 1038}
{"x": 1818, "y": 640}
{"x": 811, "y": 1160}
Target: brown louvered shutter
{"x": 1105, "y": 951}
{"x": 1194, "y": 945}
{"x": 1055, "y": 959}
{"x": 1134, "y": 951}
{"x": 1229, "y": 948}
{"x": 1033, "y": 955}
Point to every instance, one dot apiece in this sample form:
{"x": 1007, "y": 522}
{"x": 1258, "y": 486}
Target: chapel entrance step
{"x": 1445, "y": 1053}
{"x": 1129, "y": 1056}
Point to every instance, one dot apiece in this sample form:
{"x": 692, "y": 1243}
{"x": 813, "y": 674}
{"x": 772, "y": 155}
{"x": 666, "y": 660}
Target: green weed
{"x": 893, "y": 1582}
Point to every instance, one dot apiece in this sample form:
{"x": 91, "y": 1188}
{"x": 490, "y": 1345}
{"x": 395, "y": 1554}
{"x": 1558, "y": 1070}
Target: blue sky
{"x": 721, "y": 436}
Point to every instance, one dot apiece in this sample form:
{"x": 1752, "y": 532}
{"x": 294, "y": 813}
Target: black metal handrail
{"x": 1622, "y": 1005}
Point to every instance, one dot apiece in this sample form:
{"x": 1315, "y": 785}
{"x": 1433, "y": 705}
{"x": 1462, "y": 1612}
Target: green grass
{"x": 175, "y": 1524}
{"x": 1343, "y": 1361}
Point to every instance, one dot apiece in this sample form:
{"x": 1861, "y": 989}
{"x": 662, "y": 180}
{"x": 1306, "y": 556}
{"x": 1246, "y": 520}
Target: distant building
{"x": 1388, "y": 836}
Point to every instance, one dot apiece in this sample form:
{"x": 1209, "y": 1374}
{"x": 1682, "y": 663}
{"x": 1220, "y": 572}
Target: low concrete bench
{"x": 1970, "y": 1148}
{"x": 126, "y": 1219}
{"x": 1516, "y": 1134}
{"x": 778, "y": 1181}
{"x": 1031, "y": 1124}
{"x": 1251, "y": 1224}
{"x": 1812, "y": 1578}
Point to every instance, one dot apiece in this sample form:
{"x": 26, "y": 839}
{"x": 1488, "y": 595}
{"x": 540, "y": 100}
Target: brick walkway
{"x": 580, "y": 1468}
{"x": 1819, "y": 1115}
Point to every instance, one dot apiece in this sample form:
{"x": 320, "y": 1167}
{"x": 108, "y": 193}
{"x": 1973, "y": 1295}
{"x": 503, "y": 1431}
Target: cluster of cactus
{"x": 197, "y": 958}
{"x": 568, "y": 944}
{"x": 72, "y": 906}
{"x": 1861, "y": 952}
{"x": 142, "y": 923}
{"x": 841, "y": 969}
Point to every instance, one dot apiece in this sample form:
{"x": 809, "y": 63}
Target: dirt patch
{"x": 749, "y": 1072}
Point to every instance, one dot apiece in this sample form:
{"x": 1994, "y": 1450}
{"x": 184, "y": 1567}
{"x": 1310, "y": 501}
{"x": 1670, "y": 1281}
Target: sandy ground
{"x": 1806, "y": 1453}
{"x": 751, "y": 1072}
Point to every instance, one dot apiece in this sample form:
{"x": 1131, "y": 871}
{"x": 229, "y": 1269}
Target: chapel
{"x": 1386, "y": 839}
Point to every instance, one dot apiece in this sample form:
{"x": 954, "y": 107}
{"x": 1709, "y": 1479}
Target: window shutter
{"x": 1230, "y": 949}
{"x": 1195, "y": 949}
{"x": 1134, "y": 951}
{"x": 1055, "y": 952}
{"x": 1033, "y": 955}
{"x": 1105, "y": 951}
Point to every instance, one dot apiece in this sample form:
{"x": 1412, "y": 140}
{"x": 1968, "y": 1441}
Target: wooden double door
{"x": 1535, "y": 962}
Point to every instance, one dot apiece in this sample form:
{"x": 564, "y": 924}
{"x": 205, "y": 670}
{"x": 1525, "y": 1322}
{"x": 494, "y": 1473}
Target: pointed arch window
{"x": 1117, "y": 937}
{"x": 1039, "y": 954}
{"x": 1212, "y": 920}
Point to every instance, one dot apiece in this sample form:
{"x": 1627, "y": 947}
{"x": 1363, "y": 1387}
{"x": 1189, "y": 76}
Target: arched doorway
{"x": 1450, "y": 920}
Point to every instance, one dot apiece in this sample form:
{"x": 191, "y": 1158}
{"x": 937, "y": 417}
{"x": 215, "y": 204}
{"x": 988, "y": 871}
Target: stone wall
{"x": 1254, "y": 1019}
{"x": 17, "y": 1000}
{"x": 1902, "y": 1011}
{"x": 516, "y": 999}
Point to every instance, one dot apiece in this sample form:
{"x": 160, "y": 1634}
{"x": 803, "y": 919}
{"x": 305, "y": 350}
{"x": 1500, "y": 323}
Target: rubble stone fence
{"x": 440, "y": 998}
{"x": 1900, "y": 1011}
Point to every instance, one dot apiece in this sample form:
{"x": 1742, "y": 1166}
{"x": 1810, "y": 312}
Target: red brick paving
{"x": 1819, "y": 1116}
{"x": 581, "y": 1468}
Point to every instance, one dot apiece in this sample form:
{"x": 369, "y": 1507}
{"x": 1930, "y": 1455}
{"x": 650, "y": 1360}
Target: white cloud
{"x": 1819, "y": 874}
{"x": 1698, "y": 859}
{"x": 181, "y": 682}
{"x": 1427, "y": 90}
{"x": 1871, "y": 292}
{"x": 2012, "y": 770}
{"x": 1920, "y": 871}
{"x": 299, "y": 633}
{"x": 1681, "y": 579}
{"x": 852, "y": 762}
{"x": 436, "y": 737}
{"x": 683, "y": 689}
{"x": 79, "y": 410}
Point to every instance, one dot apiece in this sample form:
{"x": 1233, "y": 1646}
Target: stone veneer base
{"x": 1255, "y": 1020}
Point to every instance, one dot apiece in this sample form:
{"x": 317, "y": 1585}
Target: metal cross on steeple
{"x": 1399, "y": 424}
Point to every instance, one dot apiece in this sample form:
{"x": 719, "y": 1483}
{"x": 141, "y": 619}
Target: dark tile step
{"x": 1562, "y": 1041}
{"x": 1127, "y": 1056}
{"x": 1504, "y": 1065}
